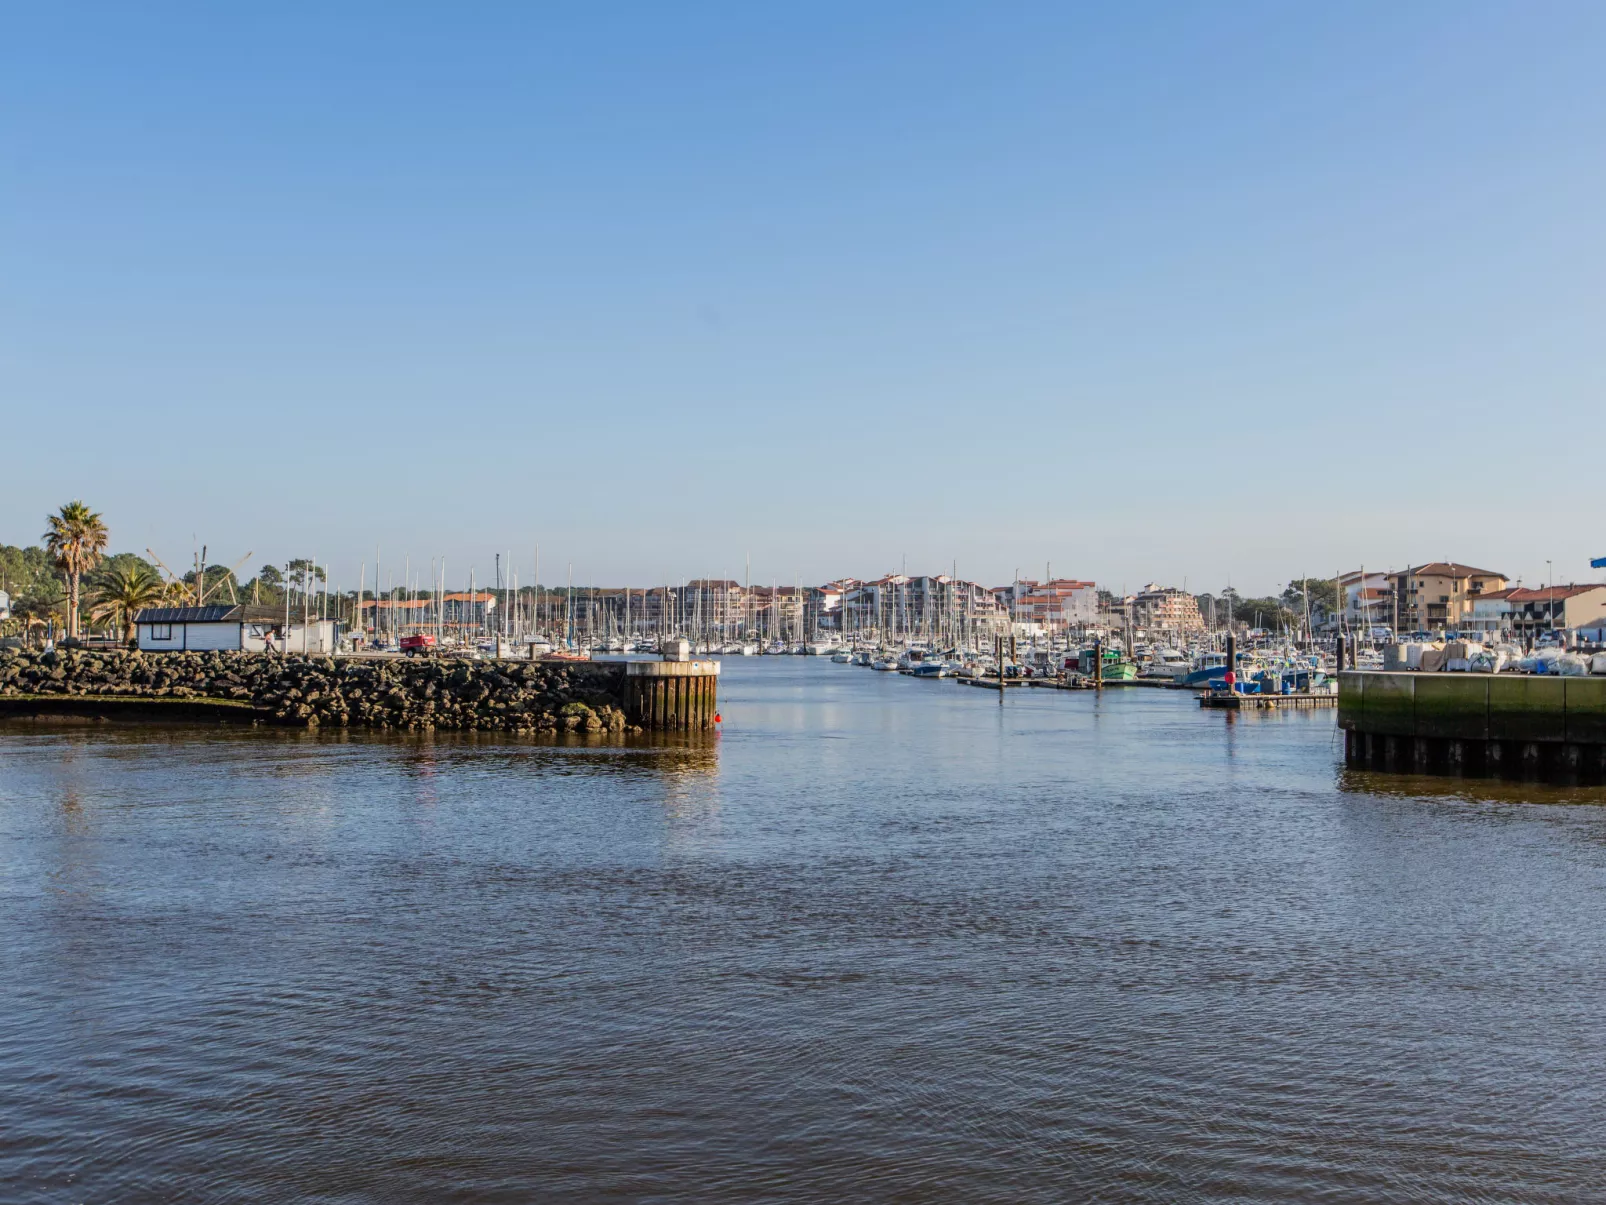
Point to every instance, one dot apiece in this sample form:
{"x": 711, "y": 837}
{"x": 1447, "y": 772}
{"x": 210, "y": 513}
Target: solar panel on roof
{"x": 213, "y": 614}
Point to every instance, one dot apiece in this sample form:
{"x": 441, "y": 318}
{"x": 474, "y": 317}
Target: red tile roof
{"x": 1451, "y": 569}
{"x": 1542, "y": 593}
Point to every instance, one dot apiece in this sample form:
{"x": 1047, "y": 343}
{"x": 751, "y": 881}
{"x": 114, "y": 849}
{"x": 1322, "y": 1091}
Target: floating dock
{"x": 1257, "y": 702}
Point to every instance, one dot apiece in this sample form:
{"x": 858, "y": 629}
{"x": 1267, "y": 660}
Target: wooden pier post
{"x": 672, "y": 695}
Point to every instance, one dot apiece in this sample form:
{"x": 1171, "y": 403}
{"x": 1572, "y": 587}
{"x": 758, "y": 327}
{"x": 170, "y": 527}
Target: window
{"x": 161, "y": 631}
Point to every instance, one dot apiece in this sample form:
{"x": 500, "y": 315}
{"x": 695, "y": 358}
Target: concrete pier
{"x": 662, "y": 695}
{"x": 1502, "y": 725}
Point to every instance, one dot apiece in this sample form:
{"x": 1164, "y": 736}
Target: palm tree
{"x": 122, "y": 592}
{"x": 75, "y": 537}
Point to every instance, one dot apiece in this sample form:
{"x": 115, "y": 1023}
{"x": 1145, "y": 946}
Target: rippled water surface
{"x": 884, "y": 940}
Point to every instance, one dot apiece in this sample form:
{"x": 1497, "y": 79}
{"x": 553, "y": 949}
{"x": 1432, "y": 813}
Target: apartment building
{"x": 1441, "y": 594}
{"x": 918, "y": 607}
{"x": 1156, "y": 609}
{"x": 1056, "y": 605}
{"x": 1368, "y": 599}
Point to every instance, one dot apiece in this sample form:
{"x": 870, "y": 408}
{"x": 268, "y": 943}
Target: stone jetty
{"x": 309, "y": 692}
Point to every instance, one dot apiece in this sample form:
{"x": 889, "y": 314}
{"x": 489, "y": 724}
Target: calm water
{"x": 885, "y": 940}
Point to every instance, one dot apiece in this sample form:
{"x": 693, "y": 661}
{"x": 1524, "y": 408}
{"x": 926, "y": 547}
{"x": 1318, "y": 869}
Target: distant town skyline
{"x": 400, "y": 566}
{"x": 1180, "y": 294}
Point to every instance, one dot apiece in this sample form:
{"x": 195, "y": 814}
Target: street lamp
{"x": 1550, "y": 602}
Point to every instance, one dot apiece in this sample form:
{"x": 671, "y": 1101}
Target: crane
{"x": 175, "y": 583}
{"x": 197, "y": 593}
{"x": 228, "y": 577}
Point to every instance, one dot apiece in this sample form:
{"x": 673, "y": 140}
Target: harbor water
{"x": 882, "y": 939}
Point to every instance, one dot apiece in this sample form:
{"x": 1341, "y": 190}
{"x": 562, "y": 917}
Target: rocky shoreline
{"x": 310, "y": 692}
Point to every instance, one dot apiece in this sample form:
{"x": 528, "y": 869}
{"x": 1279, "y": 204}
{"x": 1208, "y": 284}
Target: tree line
{"x": 1275, "y": 612}
{"x": 70, "y": 582}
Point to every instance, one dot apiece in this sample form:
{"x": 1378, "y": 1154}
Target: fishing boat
{"x": 1209, "y": 669}
{"x": 1118, "y": 669}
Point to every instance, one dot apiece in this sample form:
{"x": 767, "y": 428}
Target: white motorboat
{"x": 1168, "y": 665}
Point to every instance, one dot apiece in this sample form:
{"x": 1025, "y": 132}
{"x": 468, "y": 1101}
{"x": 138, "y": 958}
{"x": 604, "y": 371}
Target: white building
{"x": 1053, "y": 606}
{"x": 236, "y": 627}
{"x": 1368, "y": 599}
{"x": 1489, "y": 614}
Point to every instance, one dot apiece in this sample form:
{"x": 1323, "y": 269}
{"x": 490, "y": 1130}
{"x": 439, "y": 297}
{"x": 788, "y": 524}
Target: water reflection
{"x": 882, "y": 939}
{"x": 1466, "y": 790}
{"x": 300, "y": 751}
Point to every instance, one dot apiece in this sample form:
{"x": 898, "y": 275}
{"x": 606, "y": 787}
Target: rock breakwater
{"x": 523, "y": 697}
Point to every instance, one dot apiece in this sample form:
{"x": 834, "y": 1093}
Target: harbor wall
{"x": 1541, "y": 726}
{"x": 309, "y": 692}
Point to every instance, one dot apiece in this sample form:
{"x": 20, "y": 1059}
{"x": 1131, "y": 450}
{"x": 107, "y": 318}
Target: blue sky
{"x": 1175, "y": 292}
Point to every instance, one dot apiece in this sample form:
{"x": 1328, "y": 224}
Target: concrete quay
{"x": 1496, "y": 725}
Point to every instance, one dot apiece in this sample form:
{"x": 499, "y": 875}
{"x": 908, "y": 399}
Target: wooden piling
{"x": 672, "y": 695}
